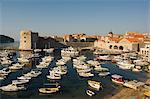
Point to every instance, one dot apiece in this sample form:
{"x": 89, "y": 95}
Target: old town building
{"x": 31, "y": 40}
{"x": 120, "y": 43}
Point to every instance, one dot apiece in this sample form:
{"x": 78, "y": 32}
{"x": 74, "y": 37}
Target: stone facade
{"x": 28, "y": 40}
{"x": 131, "y": 41}
{"x": 121, "y": 45}
{"x": 145, "y": 52}
{"x": 79, "y": 37}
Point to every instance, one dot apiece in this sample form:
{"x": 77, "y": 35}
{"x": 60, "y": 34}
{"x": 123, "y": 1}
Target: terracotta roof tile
{"x": 134, "y": 40}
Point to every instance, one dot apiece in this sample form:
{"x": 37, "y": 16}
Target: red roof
{"x": 115, "y": 39}
{"x": 134, "y": 40}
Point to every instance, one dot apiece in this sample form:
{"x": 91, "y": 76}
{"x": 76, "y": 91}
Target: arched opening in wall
{"x": 110, "y": 47}
{"x": 66, "y": 40}
{"x": 82, "y": 40}
{"x": 121, "y": 48}
{"x": 75, "y": 40}
{"x": 115, "y": 47}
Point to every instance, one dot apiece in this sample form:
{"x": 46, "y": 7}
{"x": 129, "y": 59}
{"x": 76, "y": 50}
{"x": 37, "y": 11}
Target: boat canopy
{"x": 116, "y": 76}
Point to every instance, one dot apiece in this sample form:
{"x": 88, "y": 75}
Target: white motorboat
{"x": 66, "y": 58}
{"x": 81, "y": 58}
{"x": 54, "y": 75}
{"x": 2, "y": 77}
{"x": 36, "y": 55}
{"x": 16, "y": 66}
{"x": 83, "y": 70}
{"x": 95, "y": 84}
{"x": 47, "y": 59}
{"x": 116, "y": 58}
{"x": 6, "y": 62}
{"x": 24, "y": 78}
{"x": 60, "y": 62}
{"x": 104, "y": 73}
{"x": 12, "y": 87}
{"x": 117, "y": 79}
{"x": 70, "y": 51}
{"x": 4, "y": 58}
{"x": 60, "y": 71}
{"x": 93, "y": 63}
{"x": 83, "y": 66}
{"x": 50, "y": 50}
{"x": 104, "y": 58}
{"x": 136, "y": 70}
{"x": 33, "y": 73}
{"x": 37, "y": 50}
{"x": 101, "y": 69}
{"x": 42, "y": 65}
{"x": 19, "y": 81}
{"x": 5, "y": 71}
{"x": 23, "y": 60}
{"x": 90, "y": 93}
{"x": 125, "y": 65}
{"x": 133, "y": 84}
{"x": 86, "y": 74}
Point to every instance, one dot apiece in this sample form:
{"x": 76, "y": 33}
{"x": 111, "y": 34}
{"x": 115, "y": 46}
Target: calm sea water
{"x": 72, "y": 86}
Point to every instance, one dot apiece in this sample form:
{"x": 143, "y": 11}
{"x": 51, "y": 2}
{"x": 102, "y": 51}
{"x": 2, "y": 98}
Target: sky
{"x": 58, "y": 17}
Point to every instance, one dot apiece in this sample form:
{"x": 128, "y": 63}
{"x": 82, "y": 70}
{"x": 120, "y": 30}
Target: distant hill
{"x": 6, "y": 39}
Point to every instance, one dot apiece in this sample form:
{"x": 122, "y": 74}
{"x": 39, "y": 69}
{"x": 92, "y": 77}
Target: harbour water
{"x": 72, "y": 86}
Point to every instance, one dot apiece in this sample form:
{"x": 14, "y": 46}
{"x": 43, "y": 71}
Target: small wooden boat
{"x": 94, "y": 84}
{"x": 90, "y": 93}
{"x": 48, "y": 90}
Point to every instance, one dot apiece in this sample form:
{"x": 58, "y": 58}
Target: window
{"x": 110, "y": 47}
{"x": 121, "y": 48}
{"x": 115, "y": 47}
{"x": 24, "y": 41}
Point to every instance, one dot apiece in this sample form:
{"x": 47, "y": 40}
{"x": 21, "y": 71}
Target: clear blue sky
{"x": 57, "y": 17}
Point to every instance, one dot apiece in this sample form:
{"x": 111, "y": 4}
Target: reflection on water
{"x": 72, "y": 86}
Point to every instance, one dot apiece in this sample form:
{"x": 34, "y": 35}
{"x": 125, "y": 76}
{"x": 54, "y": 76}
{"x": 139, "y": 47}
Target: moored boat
{"x": 104, "y": 73}
{"x": 19, "y": 81}
{"x": 90, "y": 93}
{"x": 117, "y": 79}
{"x": 95, "y": 84}
{"x": 12, "y": 87}
{"x": 48, "y": 90}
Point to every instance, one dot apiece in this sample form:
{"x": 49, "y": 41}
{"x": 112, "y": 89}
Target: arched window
{"x": 110, "y": 47}
{"x": 121, "y": 48}
{"x": 115, "y": 47}
{"x": 82, "y": 40}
